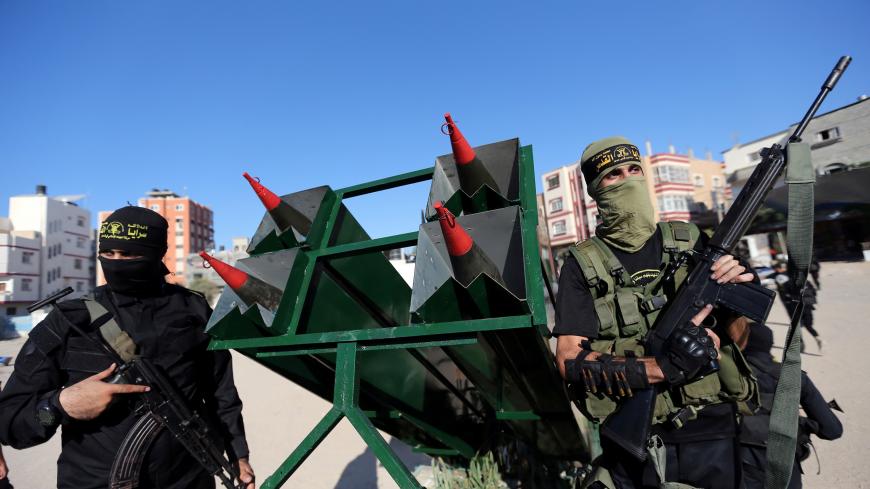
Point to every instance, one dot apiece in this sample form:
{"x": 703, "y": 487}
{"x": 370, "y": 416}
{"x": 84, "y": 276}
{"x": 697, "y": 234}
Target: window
{"x": 80, "y": 220}
{"x": 179, "y": 207}
{"x": 828, "y": 134}
{"x": 77, "y": 263}
{"x": 559, "y": 228}
{"x": 673, "y": 203}
{"x": 80, "y": 242}
{"x": 179, "y": 224}
{"x": 699, "y": 180}
{"x": 155, "y": 207}
{"x": 668, "y": 173}
{"x": 552, "y": 182}
{"x": 27, "y": 257}
{"x": 2, "y": 286}
{"x": 25, "y": 284}
{"x": 716, "y": 182}
{"x": 11, "y": 311}
{"x": 79, "y": 287}
{"x": 556, "y": 205}
{"x": 754, "y": 157}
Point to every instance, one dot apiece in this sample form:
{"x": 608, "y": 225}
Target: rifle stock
{"x": 629, "y": 426}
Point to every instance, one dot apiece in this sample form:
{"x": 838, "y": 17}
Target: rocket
{"x": 282, "y": 213}
{"x": 250, "y": 289}
{"x": 466, "y": 257}
{"x": 470, "y": 170}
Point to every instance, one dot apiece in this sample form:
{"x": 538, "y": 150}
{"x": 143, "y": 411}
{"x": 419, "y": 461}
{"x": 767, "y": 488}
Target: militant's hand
{"x": 689, "y": 351}
{"x": 88, "y": 398}
{"x": 246, "y": 472}
{"x": 728, "y": 270}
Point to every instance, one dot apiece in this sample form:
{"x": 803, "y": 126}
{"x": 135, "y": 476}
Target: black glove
{"x": 690, "y": 355}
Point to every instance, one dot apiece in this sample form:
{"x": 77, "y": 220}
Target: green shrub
{"x": 482, "y": 473}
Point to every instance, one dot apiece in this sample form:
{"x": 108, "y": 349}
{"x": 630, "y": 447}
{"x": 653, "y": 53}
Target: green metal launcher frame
{"x": 344, "y": 331}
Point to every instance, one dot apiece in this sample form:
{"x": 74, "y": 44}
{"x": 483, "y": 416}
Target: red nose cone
{"x": 234, "y": 277}
{"x": 457, "y": 239}
{"x": 462, "y": 152}
{"x": 269, "y": 199}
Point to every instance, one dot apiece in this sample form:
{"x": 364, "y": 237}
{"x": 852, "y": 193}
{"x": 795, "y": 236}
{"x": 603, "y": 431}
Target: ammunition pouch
{"x": 616, "y": 378}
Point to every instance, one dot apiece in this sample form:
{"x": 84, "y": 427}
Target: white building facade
{"x": 19, "y": 269}
{"x": 65, "y": 240}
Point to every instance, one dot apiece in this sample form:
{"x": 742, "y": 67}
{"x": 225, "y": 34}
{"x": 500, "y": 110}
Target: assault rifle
{"x": 162, "y": 407}
{"x": 629, "y": 426}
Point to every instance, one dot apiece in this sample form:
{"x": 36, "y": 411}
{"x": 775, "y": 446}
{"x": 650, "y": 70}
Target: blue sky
{"x": 110, "y": 99}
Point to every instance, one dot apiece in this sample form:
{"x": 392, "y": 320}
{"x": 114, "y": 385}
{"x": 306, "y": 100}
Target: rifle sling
{"x": 782, "y": 437}
{"x": 114, "y": 336}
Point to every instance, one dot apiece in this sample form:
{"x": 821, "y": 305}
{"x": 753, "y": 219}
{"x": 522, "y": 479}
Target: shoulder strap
{"x": 599, "y": 265}
{"x": 614, "y": 267}
{"x": 591, "y": 265}
{"x": 117, "y": 338}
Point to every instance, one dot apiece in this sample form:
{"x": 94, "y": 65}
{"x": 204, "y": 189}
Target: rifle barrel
{"x": 50, "y": 299}
{"x": 829, "y": 84}
{"x": 745, "y": 207}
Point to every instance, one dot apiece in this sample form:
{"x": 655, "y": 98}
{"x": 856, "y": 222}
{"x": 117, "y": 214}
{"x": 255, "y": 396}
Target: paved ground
{"x": 279, "y": 414}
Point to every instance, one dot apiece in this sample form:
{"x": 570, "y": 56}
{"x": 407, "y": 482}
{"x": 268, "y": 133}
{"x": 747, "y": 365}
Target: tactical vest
{"x": 626, "y": 312}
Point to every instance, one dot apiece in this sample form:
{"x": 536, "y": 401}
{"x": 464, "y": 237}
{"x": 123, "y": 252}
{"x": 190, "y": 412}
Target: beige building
{"x": 685, "y": 188}
{"x": 191, "y": 229}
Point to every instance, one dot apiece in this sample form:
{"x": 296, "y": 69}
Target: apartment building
{"x": 63, "y": 242}
{"x": 20, "y": 254}
{"x": 191, "y": 229}
{"x": 686, "y": 188}
{"x": 564, "y": 210}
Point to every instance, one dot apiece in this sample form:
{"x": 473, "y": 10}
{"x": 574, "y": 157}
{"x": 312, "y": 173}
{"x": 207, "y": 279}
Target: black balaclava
{"x": 142, "y": 232}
